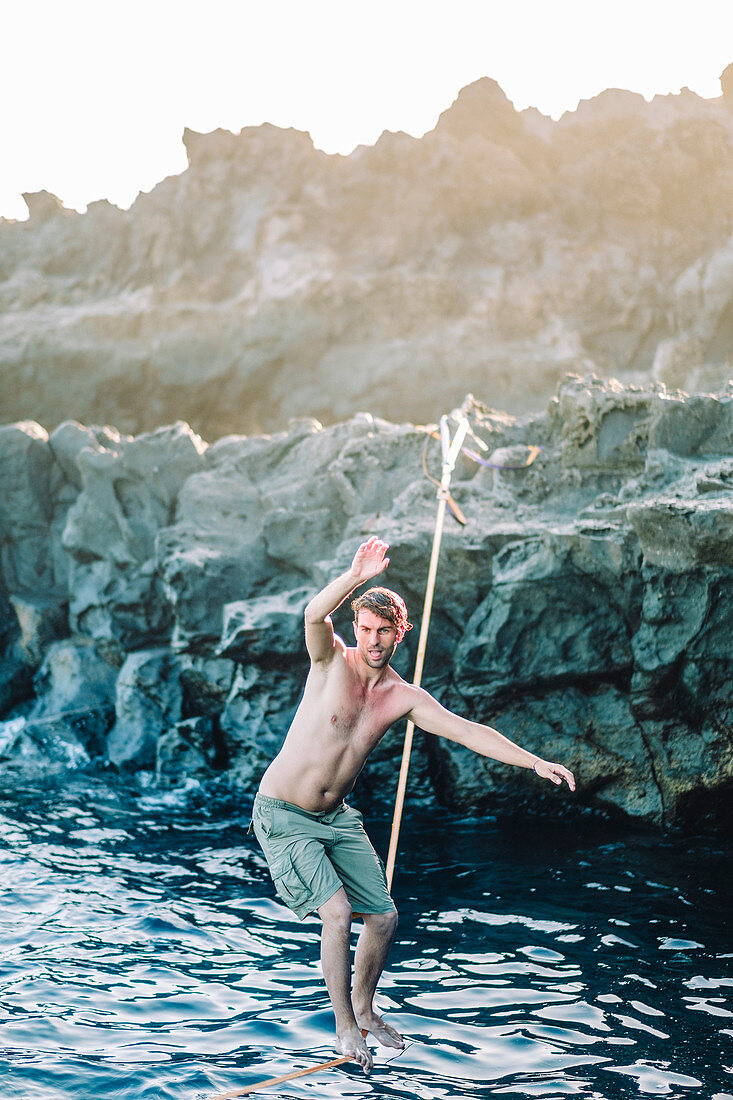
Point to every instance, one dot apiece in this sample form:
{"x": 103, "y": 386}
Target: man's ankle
{"x": 346, "y": 1023}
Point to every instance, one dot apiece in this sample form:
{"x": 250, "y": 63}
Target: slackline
{"x": 286, "y": 1077}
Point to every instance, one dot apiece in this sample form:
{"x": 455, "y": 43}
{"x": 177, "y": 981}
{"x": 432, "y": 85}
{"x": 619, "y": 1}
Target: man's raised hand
{"x": 370, "y": 560}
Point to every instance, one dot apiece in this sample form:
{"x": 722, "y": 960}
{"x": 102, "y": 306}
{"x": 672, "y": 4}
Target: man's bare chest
{"x": 357, "y": 713}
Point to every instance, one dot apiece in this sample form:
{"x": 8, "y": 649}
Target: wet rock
{"x": 530, "y": 629}
{"x": 263, "y": 516}
{"x": 265, "y": 626}
{"x": 16, "y": 674}
{"x": 158, "y": 694}
{"x": 32, "y": 505}
{"x": 42, "y": 619}
{"x": 148, "y": 702}
{"x": 35, "y": 750}
{"x": 682, "y": 652}
{"x": 16, "y": 663}
{"x": 692, "y": 771}
{"x": 256, "y": 718}
{"x": 205, "y": 684}
{"x": 75, "y": 699}
{"x": 594, "y": 733}
{"x": 192, "y": 749}
{"x": 583, "y": 608}
{"x": 213, "y": 554}
{"x": 129, "y": 492}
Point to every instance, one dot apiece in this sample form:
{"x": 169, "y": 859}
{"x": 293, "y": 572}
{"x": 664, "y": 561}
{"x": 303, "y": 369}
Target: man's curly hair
{"x": 385, "y": 603}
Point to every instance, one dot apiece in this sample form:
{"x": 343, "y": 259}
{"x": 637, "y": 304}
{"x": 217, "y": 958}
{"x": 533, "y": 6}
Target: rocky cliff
{"x": 153, "y": 590}
{"x": 493, "y": 255}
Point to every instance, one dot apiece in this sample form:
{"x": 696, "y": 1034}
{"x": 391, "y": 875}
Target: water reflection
{"x": 144, "y": 955}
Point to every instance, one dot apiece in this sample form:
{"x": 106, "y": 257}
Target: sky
{"x": 95, "y": 94}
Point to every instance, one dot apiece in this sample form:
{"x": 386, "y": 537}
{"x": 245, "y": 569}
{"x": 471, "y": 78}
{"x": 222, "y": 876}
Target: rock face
{"x": 153, "y": 589}
{"x": 494, "y": 254}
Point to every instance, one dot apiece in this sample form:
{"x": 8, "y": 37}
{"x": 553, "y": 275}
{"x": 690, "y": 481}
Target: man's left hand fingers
{"x": 558, "y": 773}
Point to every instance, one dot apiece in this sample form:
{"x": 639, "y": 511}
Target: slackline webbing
{"x": 285, "y": 1077}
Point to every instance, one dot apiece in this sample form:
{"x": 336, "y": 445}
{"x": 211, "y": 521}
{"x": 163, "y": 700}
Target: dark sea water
{"x": 145, "y": 957}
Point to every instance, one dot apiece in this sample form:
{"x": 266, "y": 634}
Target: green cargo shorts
{"x": 311, "y": 856}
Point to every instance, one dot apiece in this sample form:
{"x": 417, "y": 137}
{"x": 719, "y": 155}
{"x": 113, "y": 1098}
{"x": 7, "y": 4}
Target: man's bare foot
{"x": 382, "y": 1032}
{"x": 351, "y": 1041}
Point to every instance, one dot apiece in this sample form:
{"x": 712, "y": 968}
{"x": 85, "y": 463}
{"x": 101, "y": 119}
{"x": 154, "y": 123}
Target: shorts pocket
{"x": 288, "y": 883}
{"x": 280, "y": 822}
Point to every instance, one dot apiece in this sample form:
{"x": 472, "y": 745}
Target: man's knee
{"x": 337, "y": 911}
{"x": 384, "y": 924}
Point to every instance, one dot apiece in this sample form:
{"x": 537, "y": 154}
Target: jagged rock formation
{"x": 494, "y": 254}
{"x": 153, "y": 590}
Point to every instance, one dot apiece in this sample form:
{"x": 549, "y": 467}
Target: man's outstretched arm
{"x": 431, "y": 716}
{"x": 369, "y": 561}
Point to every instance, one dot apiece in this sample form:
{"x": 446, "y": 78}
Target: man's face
{"x": 376, "y": 638}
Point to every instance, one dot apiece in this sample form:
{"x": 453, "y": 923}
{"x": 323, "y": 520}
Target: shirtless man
{"x": 318, "y": 853}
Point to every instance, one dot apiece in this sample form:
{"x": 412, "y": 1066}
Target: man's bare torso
{"x": 340, "y": 719}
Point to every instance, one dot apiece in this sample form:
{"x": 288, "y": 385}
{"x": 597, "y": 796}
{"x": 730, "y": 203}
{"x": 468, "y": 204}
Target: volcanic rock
{"x": 148, "y": 703}
{"x": 128, "y": 492}
{"x": 583, "y": 603}
{"x": 494, "y": 254}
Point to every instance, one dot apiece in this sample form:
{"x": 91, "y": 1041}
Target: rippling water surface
{"x": 144, "y": 956}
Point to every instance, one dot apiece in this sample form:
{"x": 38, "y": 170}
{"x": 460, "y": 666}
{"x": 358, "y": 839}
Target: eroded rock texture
{"x": 493, "y": 255}
{"x": 153, "y": 590}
